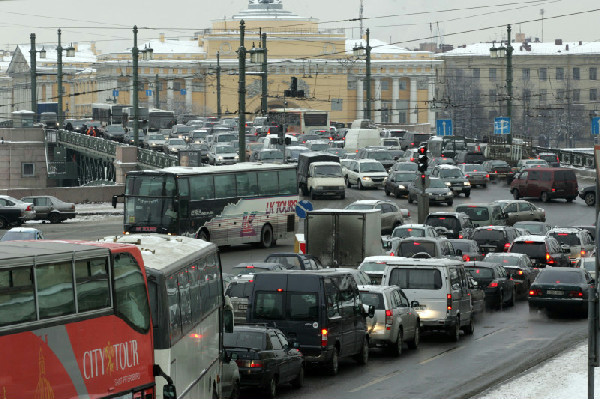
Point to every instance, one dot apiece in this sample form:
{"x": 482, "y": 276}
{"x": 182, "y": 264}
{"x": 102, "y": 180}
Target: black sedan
{"x": 397, "y": 183}
{"x": 264, "y": 358}
{"x": 518, "y": 267}
{"x": 561, "y": 289}
{"x": 588, "y": 194}
{"x": 437, "y": 192}
{"x": 499, "y": 288}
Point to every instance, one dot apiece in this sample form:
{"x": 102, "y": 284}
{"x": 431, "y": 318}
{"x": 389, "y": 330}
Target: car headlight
{"x": 467, "y": 183}
{"x": 220, "y": 158}
{"x": 385, "y": 179}
{"x": 236, "y": 157}
{"x": 366, "y": 178}
{"x": 448, "y": 183}
{"x": 401, "y": 186}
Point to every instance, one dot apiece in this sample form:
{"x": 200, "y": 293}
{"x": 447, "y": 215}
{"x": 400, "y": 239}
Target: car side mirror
{"x": 371, "y": 311}
{"x": 169, "y": 392}
{"x": 228, "y": 320}
{"x": 296, "y": 345}
{"x": 414, "y": 304}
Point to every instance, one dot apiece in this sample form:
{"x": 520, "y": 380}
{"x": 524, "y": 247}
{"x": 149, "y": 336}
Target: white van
{"x": 357, "y": 139}
{"x": 441, "y": 288}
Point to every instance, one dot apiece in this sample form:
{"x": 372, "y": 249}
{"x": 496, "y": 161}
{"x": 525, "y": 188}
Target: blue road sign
{"x": 302, "y": 207}
{"x": 182, "y": 92}
{"x": 148, "y": 93}
{"x": 596, "y": 126}
{"x": 115, "y": 93}
{"x": 443, "y": 127}
{"x": 502, "y": 125}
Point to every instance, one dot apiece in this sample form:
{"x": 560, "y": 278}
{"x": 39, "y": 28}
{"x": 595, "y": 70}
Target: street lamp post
{"x": 360, "y": 51}
{"x": 59, "y": 81}
{"x": 501, "y": 52}
{"x": 242, "y": 95}
{"x": 134, "y": 55}
{"x": 33, "y": 72}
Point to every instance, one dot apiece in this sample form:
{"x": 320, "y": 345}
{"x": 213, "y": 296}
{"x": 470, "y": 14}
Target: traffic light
{"x": 422, "y": 160}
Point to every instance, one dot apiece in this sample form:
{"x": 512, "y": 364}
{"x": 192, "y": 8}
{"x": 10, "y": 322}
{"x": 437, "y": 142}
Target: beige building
{"x": 555, "y": 90}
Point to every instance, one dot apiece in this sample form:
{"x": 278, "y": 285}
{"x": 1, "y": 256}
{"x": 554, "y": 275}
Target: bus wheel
{"x": 204, "y": 236}
{"x": 266, "y": 236}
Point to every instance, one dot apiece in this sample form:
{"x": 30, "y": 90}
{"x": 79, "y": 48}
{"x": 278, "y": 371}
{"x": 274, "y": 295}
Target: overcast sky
{"x": 86, "y": 20}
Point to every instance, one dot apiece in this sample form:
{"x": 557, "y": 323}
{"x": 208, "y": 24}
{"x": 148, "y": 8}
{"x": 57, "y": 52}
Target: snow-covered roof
{"x": 530, "y": 238}
{"x": 378, "y": 47}
{"x": 566, "y": 48}
{"x": 83, "y": 54}
{"x": 173, "y": 47}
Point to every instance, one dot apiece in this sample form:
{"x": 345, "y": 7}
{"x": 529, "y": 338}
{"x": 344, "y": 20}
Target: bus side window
{"x": 54, "y": 283}
{"x": 184, "y": 187}
{"x": 185, "y": 302}
{"x": 225, "y": 186}
{"x": 131, "y": 301}
{"x": 246, "y": 184}
{"x": 287, "y": 181}
{"x": 17, "y": 303}
{"x": 268, "y": 183}
{"x": 195, "y": 294}
{"x": 91, "y": 277}
{"x": 202, "y": 187}
{"x": 174, "y": 310}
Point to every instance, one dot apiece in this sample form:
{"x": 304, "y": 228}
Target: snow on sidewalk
{"x": 563, "y": 377}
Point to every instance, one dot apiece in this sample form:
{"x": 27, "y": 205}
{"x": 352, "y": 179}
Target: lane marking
{"x": 375, "y": 381}
{"x": 441, "y": 354}
{"x": 490, "y": 333}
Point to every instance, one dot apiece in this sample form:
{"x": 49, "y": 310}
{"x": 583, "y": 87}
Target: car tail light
{"x": 449, "y": 301}
{"x": 583, "y": 252}
{"x": 493, "y": 284}
{"x": 466, "y": 175}
{"x": 324, "y": 337}
{"x": 488, "y": 175}
{"x": 506, "y": 246}
{"x": 412, "y": 143}
{"x": 389, "y": 317}
{"x": 392, "y": 254}
{"x": 576, "y": 294}
{"x": 549, "y": 258}
{"x": 535, "y": 292}
{"x": 412, "y": 159}
{"x": 28, "y": 208}
{"x": 466, "y": 258}
{"x": 520, "y": 272}
{"x": 460, "y": 236}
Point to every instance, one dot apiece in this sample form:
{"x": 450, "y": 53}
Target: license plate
{"x": 421, "y": 307}
{"x": 243, "y": 306}
{"x": 554, "y": 292}
{"x": 492, "y": 249}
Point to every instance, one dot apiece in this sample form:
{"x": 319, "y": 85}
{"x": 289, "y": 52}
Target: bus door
{"x": 183, "y": 210}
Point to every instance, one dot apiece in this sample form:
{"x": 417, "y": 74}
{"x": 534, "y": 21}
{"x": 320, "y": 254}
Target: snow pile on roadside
{"x": 565, "y": 376}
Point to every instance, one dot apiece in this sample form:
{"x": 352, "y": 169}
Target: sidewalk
{"x": 101, "y": 208}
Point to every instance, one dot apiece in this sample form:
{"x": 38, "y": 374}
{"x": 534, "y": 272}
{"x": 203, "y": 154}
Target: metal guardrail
{"x": 580, "y": 159}
{"x": 96, "y": 144}
{"x": 156, "y": 159}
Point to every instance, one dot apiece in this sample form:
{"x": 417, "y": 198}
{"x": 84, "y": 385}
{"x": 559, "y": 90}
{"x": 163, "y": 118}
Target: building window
{"x": 526, "y": 94}
{"x": 337, "y": 104}
{"x": 476, "y": 73}
{"x": 351, "y": 83}
{"x": 576, "y": 95}
{"x": 542, "y": 73}
{"x": 526, "y": 73}
{"x": 402, "y": 84}
{"x": 593, "y": 94}
{"x": 27, "y": 169}
{"x": 593, "y": 73}
{"x": 385, "y": 84}
{"x": 560, "y": 94}
{"x": 492, "y": 96}
{"x": 560, "y": 73}
{"x": 575, "y": 73}
{"x": 543, "y": 96}
{"x": 176, "y": 86}
{"x": 492, "y": 73}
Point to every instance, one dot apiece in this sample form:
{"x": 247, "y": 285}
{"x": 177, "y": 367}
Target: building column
{"x": 188, "y": 96}
{"x": 170, "y": 94}
{"x": 413, "y": 101}
{"x": 377, "y": 100}
{"x": 430, "y": 93}
{"x": 395, "y": 98}
{"x": 359, "y": 99}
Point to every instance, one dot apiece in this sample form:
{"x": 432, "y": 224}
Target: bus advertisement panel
{"x": 74, "y": 321}
{"x": 227, "y": 205}
{"x": 299, "y": 120}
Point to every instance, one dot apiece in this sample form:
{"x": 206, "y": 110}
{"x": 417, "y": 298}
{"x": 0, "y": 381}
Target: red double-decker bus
{"x": 74, "y": 321}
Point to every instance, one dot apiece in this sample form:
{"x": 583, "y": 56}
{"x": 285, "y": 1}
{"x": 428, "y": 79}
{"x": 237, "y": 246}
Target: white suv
{"x": 365, "y": 173}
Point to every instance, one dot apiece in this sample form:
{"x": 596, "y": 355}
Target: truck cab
{"x": 325, "y": 179}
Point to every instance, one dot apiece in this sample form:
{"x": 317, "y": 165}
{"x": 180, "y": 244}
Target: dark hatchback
{"x": 518, "y": 267}
{"x": 494, "y": 238}
{"x": 543, "y": 251}
{"x": 499, "y": 289}
{"x": 469, "y": 248}
{"x": 561, "y": 289}
{"x": 398, "y": 182}
{"x": 264, "y": 358}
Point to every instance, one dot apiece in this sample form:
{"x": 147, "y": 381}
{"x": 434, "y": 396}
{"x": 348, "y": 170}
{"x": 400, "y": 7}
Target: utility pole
{"x": 242, "y": 95}
{"x": 509, "y": 79}
{"x": 219, "y": 113}
{"x": 156, "y": 93}
{"x": 134, "y": 55}
{"x": 368, "y": 78}
{"x": 263, "y": 99}
{"x": 33, "y": 71}
{"x": 59, "y": 81}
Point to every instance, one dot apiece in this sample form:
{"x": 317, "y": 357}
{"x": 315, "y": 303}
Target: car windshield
{"x": 532, "y": 248}
{"x": 437, "y": 183}
{"x": 18, "y": 235}
{"x": 464, "y": 246}
{"x": 502, "y": 259}
{"x": 328, "y": 170}
{"x": 114, "y": 129}
{"x": 224, "y": 149}
{"x": 380, "y": 156}
{"x": 566, "y": 238}
{"x": 476, "y": 213}
{"x": 449, "y": 222}
{"x": 372, "y": 299}
{"x": 451, "y": 173}
{"x": 477, "y": 272}
{"x": 416, "y": 278}
{"x": 372, "y": 266}
{"x": 177, "y": 142}
{"x": 499, "y": 164}
{"x": 226, "y": 138}
{"x": 410, "y": 248}
{"x": 404, "y": 232}
{"x": 156, "y": 137}
{"x": 406, "y": 177}
{"x": 359, "y": 207}
{"x": 371, "y": 167}
{"x": 245, "y": 339}
{"x": 533, "y": 228}
{"x": 549, "y": 276}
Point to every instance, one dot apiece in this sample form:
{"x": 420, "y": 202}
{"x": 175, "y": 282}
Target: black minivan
{"x": 321, "y": 311}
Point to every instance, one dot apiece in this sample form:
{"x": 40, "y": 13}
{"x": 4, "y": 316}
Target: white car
{"x": 365, "y": 173}
{"x": 223, "y": 154}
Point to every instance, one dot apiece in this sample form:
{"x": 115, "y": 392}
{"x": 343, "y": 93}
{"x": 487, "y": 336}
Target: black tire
{"x": 348, "y": 184}
{"x": 467, "y": 194}
{"x": 3, "y": 223}
{"x": 343, "y": 196}
{"x": 454, "y": 331}
{"x": 360, "y": 186}
{"x": 312, "y": 194}
{"x": 362, "y": 357}
{"x": 396, "y": 347}
{"x": 333, "y": 366}
{"x": 569, "y": 200}
{"x": 500, "y": 304}
{"x": 485, "y": 185}
{"x": 235, "y": 391}
{"x": 387, "y": 193}
{"x": 299, "y": 380}
{"x": 515, "y": 194}
{"x": 266, "y": 236}
{"x": 414, "y": 343}
{"x": 450, "y": 202}
{"x": 410, "y": 200}
{"x": 470, "y": 328}
{"x": 397, "y": 194}
{"x": 271, "y": 387}
{"x": 512, "y": 301}
{"x": 590, "y": 199}
{"x": 544, "y": 197}
{"x": 203, "y": 235}
{"x": 54, "y": 218}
